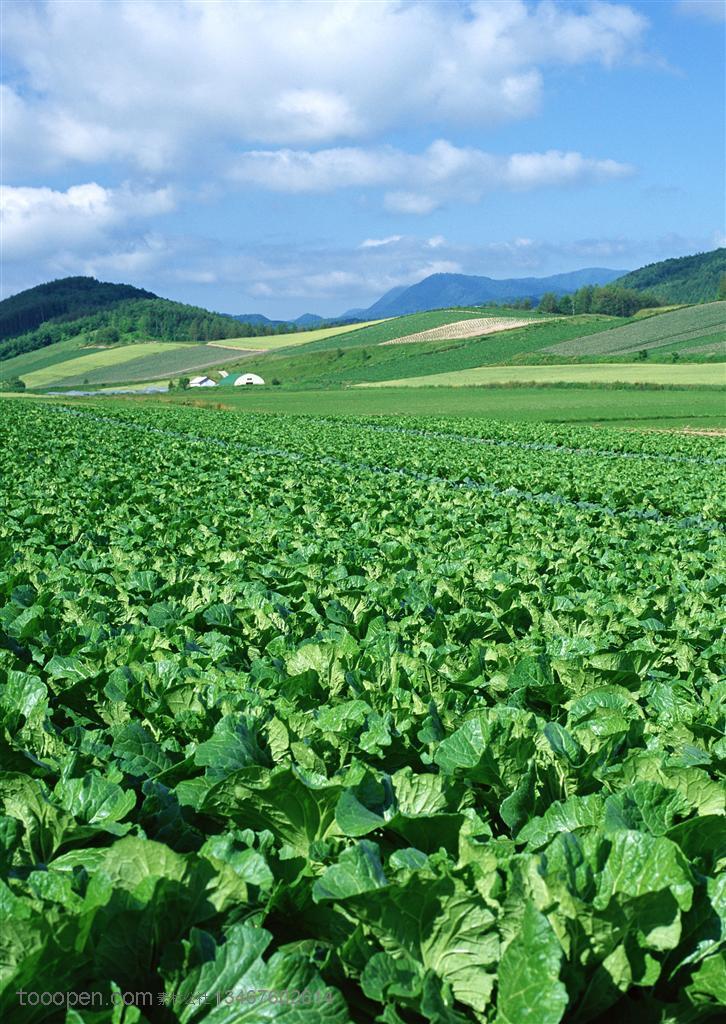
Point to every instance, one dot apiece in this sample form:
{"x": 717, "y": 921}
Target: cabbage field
{"x": 324, "y": 720}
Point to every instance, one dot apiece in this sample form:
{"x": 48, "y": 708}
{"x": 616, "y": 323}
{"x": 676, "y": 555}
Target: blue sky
{"x": 293, "y": 157}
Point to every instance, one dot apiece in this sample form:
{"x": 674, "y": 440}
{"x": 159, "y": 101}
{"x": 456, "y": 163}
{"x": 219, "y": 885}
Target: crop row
{"x": 424, "y": 753}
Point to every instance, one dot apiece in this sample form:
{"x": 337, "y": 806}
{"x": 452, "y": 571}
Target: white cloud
{"x": 330, "y": 281}
{"x": 323, "y": 278}
{"x": 533, "y": 170}
{"x": 161, "y": 83}
{"x": 373, "y": 243}
{"x": 442, "y": 172}
{"x": 42, "y": 220}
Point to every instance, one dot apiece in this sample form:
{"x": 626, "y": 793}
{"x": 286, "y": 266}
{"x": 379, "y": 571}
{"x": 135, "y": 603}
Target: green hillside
{"x": 352, "y": 355}
{"x": 129, "y": 321}
{"x": 686, "y": 279}
{"x": 108, "y": 362}
{"x": 311, "y": 356}
{"x": 400, "y": 326}
{"x": 68, "y": 298}
{"x": 29, "y": 362}
{"x": 693, "y": 333}
{"x": 351, "y": 363}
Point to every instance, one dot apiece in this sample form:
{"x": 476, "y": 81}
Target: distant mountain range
{"x": 685, "y": 279}
{"x": 258, "y": 320}
{"x": 441, "y": 290}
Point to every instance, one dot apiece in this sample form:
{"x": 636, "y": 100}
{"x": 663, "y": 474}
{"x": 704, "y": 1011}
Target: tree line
{"x": 609, "y": 300}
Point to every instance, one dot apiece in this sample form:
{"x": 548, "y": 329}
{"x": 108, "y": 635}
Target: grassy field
{"x": 277, "y": 341}
{"x": 624, "y": 406}
{"x": 681, "y": 325}
{"x": 586, "y": 373}
{"x": 106, "y": 362}
{"x": 29, "y": 362}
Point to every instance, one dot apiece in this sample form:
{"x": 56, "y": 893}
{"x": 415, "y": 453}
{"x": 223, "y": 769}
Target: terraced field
{"x": 395, "y": 721}
{"x": 690, "y": 323}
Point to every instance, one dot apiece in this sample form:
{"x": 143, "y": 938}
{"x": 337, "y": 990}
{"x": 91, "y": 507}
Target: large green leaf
{"x": 234, "y": 983}
{"x": 529, "y": 986}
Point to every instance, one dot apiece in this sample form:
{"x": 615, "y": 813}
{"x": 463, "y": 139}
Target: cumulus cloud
{"x": 443, "y": 171}
{"x": 159, "y": 82}
{"x": 43, "y": 220}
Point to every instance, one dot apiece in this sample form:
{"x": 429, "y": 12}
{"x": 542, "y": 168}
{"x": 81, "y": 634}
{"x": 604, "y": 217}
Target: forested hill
{"x": 67, "y": 298}
{"x": 136, "y": 316}
{"x": 687, "y": 279}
